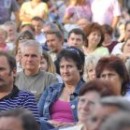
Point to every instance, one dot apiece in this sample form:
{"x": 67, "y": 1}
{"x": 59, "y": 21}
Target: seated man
{"x": 10, "y": 95}
{"x": 33, "y": 79}
{"x": 76, "y": 38}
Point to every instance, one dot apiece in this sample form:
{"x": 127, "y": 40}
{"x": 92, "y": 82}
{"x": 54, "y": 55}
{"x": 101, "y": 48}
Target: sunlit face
{"x": 31, "y": 58}
{"x": 10, "y": 123}
{"x": 107, "y": 40}
{"x": 91, "y": 72}
{"x": 113, "y": 77}
{"x": 69, "y": 71}
{"x": 99, "y": 115}
{"x": 43, "y": 64}
{"x": 2, "y": 37}
{"x": 6, "y": 75}
{"x": 75, "y": 40}
{"x": 37, "y": 26}
{"x": 53, "y": 42}
{"x": 127, "y": 31}
{"x": 126, "y": 48}
{"x": 11, "y": 30}
{"x": 94, "y": 39}
{"x": 86, "y": 104}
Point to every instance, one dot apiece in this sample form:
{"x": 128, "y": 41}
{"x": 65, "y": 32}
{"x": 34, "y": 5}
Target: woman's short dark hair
{"x": 91, "y": 28}
{"x": 104, "y": 88}
{"x": 72, "y": 53}
{"x": 107, "y": 29}
{"x": 116, "y": 64}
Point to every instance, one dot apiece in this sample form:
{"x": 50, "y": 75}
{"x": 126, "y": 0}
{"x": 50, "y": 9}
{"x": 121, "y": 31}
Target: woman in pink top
{"x": 76, "y": 10}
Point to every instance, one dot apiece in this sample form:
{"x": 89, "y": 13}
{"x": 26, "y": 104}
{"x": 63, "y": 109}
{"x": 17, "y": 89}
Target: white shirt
{"x": 104, "y": 10}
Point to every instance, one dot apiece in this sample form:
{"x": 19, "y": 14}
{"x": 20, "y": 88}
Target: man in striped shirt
{"x": 10, "y": 95}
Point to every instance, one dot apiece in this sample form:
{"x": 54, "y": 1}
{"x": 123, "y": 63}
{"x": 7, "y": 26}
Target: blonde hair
{"x": 51, "y": 66}
{"x": 90, "y": 60}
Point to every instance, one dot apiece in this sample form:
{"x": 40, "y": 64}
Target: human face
{"x": 37, "y": 26}
{"x": 113, "y": 77}
{"x": 6, "y": 75}
{"x": 86, "y": 104}
{"x": 99, "y": 115}
{"x": 126, "y": 48}
{"x": 107, "y": 40}
{"x": 69, "y": 71}
{"x": 54, "y": 43}
{"x": 127, "y": 31}
{"x": 44, "y": 64}
{"x": 31, "y": 58}
{"x": 11, "y": 30}
{"x": 2, "y": 37}
{"x": 91, "y": 72}
{"x": 94, "y": 39}
{"x": 75, "y": 40}
{"x": 10, "y": 123}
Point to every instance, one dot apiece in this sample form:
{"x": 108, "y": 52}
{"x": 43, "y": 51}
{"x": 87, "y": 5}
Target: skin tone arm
{"x": 66, "y": 18}
{"x": 115, "y": 21}
{"x": 17, "y": 17}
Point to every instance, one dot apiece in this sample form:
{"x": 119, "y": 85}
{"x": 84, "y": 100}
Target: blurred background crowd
{"x": 64, "y": 64}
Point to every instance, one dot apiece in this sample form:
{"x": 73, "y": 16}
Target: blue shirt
{"x": 18, "y": 98}
{"x": 51, "y": 94}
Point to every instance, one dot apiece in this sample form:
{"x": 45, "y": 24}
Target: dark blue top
{"x": 19, "y": 98}
{"x": 51, "y": 94}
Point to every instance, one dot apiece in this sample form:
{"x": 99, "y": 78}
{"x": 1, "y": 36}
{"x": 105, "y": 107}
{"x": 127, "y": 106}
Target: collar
{"x": 13, "y": 93}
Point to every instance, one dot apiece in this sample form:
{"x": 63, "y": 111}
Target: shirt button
{"x": 73, "y": 106}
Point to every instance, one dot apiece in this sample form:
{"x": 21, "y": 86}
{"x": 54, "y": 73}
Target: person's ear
{"x": 14, "y": 72}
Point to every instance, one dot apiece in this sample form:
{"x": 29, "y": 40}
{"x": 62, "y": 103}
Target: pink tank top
{"x": 61, "y": 111}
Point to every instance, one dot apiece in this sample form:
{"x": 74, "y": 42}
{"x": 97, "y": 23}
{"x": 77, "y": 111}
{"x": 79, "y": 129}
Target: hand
{"x": 59, "y": 124}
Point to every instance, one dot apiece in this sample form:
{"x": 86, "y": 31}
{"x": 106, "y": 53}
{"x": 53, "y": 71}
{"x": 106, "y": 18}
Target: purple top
{"x": 61, "y": 111}
{"x": 77, "y": 12}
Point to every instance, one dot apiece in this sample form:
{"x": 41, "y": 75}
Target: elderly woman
{"x": 57, "y": 104}
{"x": 113, "y": 69}
{"x": 95, "y": 38}
{"x": 89, "y": 67}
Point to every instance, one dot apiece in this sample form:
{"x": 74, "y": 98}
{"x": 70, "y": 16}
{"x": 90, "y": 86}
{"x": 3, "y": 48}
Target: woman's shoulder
{"x": 55, "y": 86}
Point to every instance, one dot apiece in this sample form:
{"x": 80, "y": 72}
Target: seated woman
{"x": 89, "y": 67}
{"x": 57, "y": 105}
{"x": 95, "y": 38}
{"x": 48, "y": 65}
{"x": 108, "y": 37}
{"x": 113, "y": 70}
{"x": 90, "y": 93}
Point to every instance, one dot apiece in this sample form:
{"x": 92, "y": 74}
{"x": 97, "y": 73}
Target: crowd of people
{"x": 64, "y": 64}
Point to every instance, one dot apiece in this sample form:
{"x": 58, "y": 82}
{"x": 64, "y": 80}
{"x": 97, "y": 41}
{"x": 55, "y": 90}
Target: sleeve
{"x": 41, "y": 102}
{"x": 116, "y": 8}
{"x": 30, "y": 104}
{"x": 69, "y": 11}
{"x": 14, "y": 6}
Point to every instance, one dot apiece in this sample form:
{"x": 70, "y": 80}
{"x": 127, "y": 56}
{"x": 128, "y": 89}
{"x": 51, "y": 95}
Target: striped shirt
{"x": 18, "y": 98}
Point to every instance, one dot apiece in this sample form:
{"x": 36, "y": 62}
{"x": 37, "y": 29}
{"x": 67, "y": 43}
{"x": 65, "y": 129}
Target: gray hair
{"x": 9, "y": 23}
{"x": 117, "y": 121}
{"x": 120, "y": 102}
{"x": 90, "y": 60}
{"x": 32, "y": 43}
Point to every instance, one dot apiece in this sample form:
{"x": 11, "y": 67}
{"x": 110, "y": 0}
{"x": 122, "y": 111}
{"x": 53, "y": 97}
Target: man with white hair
{"x": 32, "y": 78}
